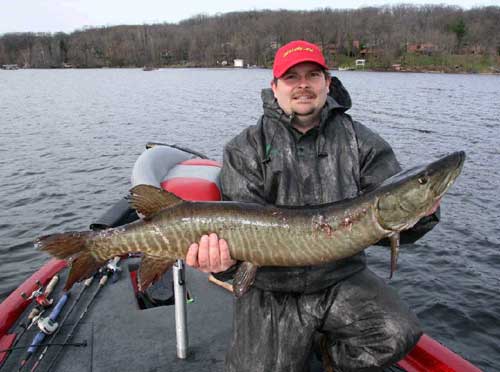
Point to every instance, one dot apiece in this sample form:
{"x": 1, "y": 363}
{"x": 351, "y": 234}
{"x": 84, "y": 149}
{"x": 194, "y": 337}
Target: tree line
{"x": 383, "y": 33}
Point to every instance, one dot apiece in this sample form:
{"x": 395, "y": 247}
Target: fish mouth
{"x": 444, "y": 172}
{"x": 416, "y": 192}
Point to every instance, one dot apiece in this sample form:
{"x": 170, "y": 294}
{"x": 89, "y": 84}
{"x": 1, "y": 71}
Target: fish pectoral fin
{"x": 244, "y": 278}
{"x": 151, "y": 269}
{"x": 394, "y": 239}
{"x": 148, "y": 200}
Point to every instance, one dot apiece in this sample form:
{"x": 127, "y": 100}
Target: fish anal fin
{"x": 151, "y": 269}
{"x": 83, "y": 266}
{"x": 394, "y": 239}
{"x": 148, "y": 200}
{"x": 244, "y": 278}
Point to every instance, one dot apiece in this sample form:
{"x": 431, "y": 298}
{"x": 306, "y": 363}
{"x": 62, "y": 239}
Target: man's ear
{"x": 274, "y": 86}
{"x": 328, "y": 82}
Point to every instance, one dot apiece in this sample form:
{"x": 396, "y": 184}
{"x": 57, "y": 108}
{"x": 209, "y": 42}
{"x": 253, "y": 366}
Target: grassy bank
{"x": 450, "y": 63}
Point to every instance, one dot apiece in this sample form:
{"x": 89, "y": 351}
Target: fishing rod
{"x": 83, "y": 343}
{"x": 109, "y": 270}
{"x": 47, "y": 326}
{"x": 86, "y": 284}
{"x": 41, "y": 297}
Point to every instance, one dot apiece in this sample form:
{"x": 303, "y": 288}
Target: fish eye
{"x": 423, "y": 180}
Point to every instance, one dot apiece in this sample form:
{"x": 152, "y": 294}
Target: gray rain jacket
{"x": 272, "y": 163}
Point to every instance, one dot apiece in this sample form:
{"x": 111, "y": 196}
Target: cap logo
{"x": 297, "y": 49}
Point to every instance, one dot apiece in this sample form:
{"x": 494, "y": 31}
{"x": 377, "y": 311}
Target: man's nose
{"x": 303, "y": 81}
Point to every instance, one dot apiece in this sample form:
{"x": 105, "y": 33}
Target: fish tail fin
{"x": 72, "y": 246}
{"x": 64, "y": 245}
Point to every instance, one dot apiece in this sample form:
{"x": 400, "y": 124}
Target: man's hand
{"x": 211, "y": 255}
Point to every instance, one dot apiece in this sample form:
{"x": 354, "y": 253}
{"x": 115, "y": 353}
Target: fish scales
{"x": 262, "y": 235}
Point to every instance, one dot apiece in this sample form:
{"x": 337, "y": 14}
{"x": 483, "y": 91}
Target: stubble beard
{"x": 306, "y": 120}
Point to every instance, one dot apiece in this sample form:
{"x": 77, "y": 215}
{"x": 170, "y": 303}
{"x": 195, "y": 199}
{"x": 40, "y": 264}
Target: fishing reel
{"x": 113, "y": 269}
{"x": 47, "y": 325}
{"x": 40, "y": 296}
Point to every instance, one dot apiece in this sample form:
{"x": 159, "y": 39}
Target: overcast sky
{"x": 69, "y": 15}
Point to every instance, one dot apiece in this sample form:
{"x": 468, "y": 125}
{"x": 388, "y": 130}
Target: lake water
{"x": 69, "y": 138}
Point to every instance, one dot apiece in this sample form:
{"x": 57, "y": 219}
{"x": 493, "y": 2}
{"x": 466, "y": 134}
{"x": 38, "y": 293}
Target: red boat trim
{"x": 14, "y": 305}
{"x": 133, "y": 278}
{"x": 429, "y": 355}
{"x": 6, "y": 342}
{"x": 192, "y": 189}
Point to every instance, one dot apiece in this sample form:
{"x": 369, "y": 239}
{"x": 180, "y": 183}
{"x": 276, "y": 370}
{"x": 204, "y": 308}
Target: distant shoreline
{"x": 421, "y": 70}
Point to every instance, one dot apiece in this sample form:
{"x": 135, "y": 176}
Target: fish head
{"x": 412, "y": 194}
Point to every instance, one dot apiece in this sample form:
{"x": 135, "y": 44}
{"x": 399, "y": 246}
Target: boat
{"x": 183, "y": 323}
{"x": 10, "y": 67}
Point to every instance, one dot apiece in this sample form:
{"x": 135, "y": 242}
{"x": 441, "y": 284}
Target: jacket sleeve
{"x": 241, "y": 174}
{"x": 377, "y": 163}
{"x": 241, "y": 179}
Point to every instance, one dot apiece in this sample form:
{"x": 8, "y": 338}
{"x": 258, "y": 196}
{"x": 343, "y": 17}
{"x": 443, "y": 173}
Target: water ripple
{"x": 67, "y": 155}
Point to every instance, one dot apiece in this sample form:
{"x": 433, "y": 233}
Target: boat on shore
{"x": 182, "y": 323}
{"x": 10, "y": 67}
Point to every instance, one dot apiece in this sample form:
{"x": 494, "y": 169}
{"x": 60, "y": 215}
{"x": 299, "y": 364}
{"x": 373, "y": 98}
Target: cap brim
{"x": 284, "y": 69}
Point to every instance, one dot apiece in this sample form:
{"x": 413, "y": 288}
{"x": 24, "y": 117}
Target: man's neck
{"x": 305, "y": 123}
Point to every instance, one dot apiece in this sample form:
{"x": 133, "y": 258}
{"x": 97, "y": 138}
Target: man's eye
{"x": 290, "y": 77}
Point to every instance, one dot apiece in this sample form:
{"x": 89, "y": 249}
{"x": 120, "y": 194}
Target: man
{"x": 306, "y": 151}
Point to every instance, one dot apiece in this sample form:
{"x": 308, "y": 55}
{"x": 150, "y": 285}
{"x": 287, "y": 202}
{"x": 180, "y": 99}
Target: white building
{"x": 238, "y": 63}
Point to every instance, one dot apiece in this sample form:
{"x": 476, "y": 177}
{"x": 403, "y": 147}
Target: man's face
{"x": 302, "y": 90}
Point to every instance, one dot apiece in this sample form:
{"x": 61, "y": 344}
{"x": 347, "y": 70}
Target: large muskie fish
{"x": 259, "y": 235}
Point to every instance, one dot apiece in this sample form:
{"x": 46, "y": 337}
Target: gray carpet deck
{"x": 121, "y": 337}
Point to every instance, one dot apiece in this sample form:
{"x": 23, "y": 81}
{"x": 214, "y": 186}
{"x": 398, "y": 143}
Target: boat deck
{"x": 122, "y": 337}
{"x": 119, "y": 336}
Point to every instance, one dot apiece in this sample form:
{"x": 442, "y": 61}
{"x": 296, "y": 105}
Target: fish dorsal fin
{"x": 148, "y": 200}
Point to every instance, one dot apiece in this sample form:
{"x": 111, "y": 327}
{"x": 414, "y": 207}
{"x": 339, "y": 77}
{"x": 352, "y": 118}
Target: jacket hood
{"x": 338, "y": 99}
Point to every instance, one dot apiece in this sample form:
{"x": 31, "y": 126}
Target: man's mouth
{"x": 303, "y": 97}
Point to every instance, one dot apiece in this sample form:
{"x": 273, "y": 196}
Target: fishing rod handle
{"x": 52, "y": 284}
{"x": 103, "y": 280}
{"x": 37, "y": 340}
{"x": 88, "y": 281}
{"x": 32, "y": 315}
{"x": 60, "y": 304}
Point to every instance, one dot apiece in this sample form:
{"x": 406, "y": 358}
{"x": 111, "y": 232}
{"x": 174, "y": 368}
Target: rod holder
{"x": 180, "y": 309}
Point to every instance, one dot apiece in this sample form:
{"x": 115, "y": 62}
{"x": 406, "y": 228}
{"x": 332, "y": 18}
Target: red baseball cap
{"x": 296, "y": 52}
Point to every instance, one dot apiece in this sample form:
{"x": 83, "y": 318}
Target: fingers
{"x": 210, "y": 255}
{"x": 214, "y": 252}
{"x": 192, "y": 256}
{"x": 225, "y": 256}
{"x": 203, "y": 257}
